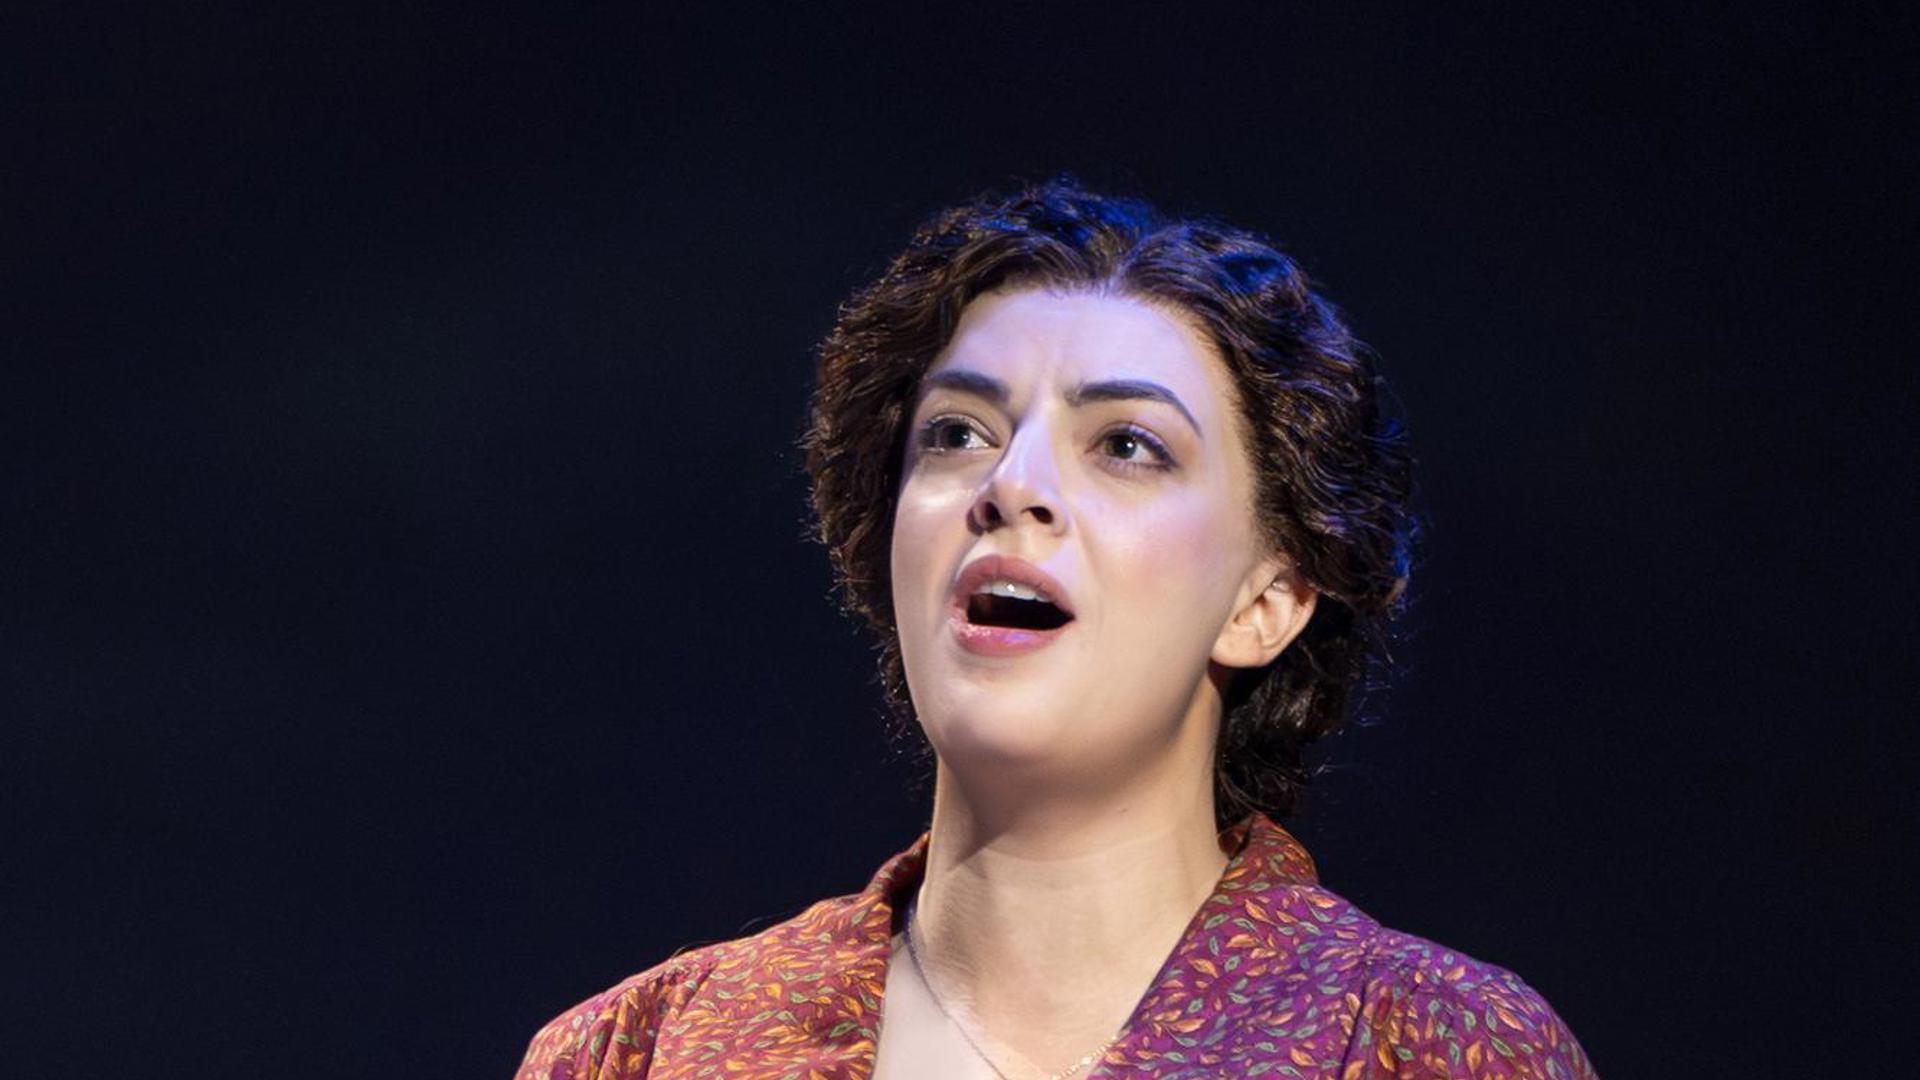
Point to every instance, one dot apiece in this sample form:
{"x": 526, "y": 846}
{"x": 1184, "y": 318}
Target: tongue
{"x": 987, "y": 610}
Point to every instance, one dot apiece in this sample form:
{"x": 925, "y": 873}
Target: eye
{"x": 1129, "y": 437}
{"x": 937, "y": 435}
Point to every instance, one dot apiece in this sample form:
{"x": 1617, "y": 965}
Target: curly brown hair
{"x": 1331, "y": 462}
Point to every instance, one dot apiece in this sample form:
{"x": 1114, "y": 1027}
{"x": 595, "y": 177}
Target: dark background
{"x": 406, "y": 628}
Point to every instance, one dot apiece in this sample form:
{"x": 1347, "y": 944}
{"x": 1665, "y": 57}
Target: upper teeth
{"x": 1013, "y": 589}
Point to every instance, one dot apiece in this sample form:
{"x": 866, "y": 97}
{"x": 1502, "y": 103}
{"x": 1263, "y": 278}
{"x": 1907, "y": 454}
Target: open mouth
{"x": 1010, "y": 611}
{"x": 1004, "y": 605}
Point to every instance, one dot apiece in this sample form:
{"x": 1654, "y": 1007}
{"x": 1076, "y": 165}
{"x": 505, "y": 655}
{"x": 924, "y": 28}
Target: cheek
{"x": 1171, "y": 562}
{"x": 922, "y": 516}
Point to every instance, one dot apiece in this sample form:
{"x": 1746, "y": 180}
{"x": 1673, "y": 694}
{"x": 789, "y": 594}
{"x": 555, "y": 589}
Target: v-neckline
{"x": 1256, "y": 839}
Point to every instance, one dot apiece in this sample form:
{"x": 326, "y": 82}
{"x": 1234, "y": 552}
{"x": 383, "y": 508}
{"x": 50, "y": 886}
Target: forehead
{"x": 1033, "y": 335}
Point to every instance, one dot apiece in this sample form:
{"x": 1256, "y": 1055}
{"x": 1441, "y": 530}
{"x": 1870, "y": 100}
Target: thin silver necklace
{"x": 913, "y": 954}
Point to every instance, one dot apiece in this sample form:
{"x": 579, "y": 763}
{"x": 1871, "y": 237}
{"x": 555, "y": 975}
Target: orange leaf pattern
{"x": 1275, "y": 976}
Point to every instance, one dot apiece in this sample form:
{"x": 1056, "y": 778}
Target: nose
{"x": 1024, "y": 482}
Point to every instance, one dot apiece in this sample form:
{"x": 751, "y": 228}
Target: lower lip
{"x": 1000, "y": 640}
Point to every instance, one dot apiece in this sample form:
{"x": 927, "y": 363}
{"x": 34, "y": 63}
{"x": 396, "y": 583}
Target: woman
{"x": 1121, "y": 500}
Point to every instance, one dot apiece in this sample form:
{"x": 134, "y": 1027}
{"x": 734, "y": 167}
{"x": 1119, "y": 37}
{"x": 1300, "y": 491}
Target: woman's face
{"x": 1093, "y": 436}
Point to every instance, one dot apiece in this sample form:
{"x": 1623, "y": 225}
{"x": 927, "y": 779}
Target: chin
{"x": 999, "y": 726}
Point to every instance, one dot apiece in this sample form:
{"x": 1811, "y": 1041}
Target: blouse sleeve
{"x": 609, "y": 1036}
{"x": 1474, "y": 1029}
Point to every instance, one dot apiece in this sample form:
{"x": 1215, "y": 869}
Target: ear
{"x": 1271, "y": 609}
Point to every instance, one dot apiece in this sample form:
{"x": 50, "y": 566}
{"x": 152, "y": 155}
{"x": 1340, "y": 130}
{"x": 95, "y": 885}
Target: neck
{"x": 1047, "y": 919}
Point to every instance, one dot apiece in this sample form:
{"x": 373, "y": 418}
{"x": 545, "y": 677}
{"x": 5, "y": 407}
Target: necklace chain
{"x": 913, "y": 954}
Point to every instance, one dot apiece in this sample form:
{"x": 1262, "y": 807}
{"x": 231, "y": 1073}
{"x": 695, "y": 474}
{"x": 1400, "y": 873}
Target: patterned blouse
{"x": 1275, "y": 975}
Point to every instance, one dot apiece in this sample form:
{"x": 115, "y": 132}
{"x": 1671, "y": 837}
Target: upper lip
{"x": 1008, "y": 568}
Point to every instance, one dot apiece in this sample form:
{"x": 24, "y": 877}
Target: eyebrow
{"x": 986, "y": 386}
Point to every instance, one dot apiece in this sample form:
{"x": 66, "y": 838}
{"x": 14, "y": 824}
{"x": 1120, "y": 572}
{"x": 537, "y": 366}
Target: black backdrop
{"x": 407, "y": 626}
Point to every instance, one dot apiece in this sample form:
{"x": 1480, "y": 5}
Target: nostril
{"x": 987, "y": 514}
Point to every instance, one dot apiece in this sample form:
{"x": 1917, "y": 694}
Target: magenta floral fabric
{"x": 1275, "y": 976}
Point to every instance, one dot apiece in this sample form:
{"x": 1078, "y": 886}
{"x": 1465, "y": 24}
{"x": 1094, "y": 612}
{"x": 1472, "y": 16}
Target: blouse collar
{"x": 840, "y": 952}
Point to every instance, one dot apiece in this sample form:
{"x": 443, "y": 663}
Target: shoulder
{"x": 623, "y": 1018}
{"x": 611, "y": 1034}
{"x": 1432, "y": 1011}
